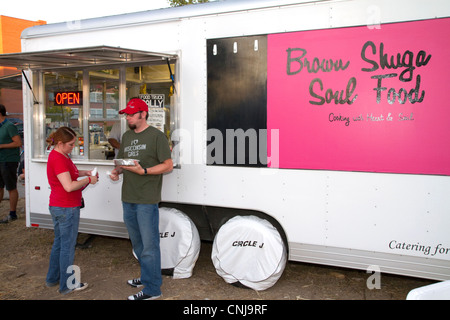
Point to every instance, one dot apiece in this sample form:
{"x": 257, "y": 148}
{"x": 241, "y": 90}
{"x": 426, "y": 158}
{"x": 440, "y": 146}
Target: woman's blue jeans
{"x": 65, "y": 222}
{"x": 142, "y": 221}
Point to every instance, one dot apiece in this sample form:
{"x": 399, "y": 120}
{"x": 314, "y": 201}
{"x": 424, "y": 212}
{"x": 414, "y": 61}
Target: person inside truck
{"x": 115, "y": 137}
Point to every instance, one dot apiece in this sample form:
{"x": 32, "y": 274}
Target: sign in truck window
{"x": 157, "y": 115}
{"x": 69, "y": 98}
{"x": 360, "y": 99}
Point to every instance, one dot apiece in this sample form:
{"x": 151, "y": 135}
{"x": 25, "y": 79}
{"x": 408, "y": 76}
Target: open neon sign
{"x": 70, "y": 98}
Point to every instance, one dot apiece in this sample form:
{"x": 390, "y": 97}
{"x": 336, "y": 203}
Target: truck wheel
{"x": 250, "y": 252}
{"x": 179, "y": 243}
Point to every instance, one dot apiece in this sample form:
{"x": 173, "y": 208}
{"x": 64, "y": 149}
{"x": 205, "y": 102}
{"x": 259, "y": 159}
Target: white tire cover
{"x": 179, "y": 242}
{"x": 249, "y": 250}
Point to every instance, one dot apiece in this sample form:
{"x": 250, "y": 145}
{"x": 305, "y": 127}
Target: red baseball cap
{"x": 135, "y": 105}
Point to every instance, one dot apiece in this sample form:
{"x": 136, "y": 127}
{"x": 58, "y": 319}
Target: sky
{"x": 54, "y": 11}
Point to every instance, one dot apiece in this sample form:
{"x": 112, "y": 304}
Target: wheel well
{"x": 209, "y": 219}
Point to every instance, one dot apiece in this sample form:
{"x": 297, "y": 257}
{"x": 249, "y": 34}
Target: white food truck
{"x": 300, "y": 130}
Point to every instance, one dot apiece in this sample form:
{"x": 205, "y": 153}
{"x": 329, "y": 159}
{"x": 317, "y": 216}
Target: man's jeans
{"x": 65, "y": 222}
{"x": 142, "y": 221}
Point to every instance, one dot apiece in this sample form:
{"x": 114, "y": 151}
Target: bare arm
{"x": 16, "y": 143}
{"x": 69, "y": 185}
{"x": 165, "y": 167}
{"x": 114, "y": 143}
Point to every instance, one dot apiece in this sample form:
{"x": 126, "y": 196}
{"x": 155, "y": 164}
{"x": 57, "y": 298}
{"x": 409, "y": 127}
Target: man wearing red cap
{"x": 141, "y": 193}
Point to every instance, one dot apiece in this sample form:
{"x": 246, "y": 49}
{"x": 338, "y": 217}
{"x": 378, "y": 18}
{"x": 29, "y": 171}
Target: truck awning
{"x": 79, "y": 58}
{"x": 12, "y": 81}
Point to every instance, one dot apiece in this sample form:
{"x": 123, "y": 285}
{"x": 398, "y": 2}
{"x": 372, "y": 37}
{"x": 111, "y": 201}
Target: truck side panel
{"x": 352, "y": 219}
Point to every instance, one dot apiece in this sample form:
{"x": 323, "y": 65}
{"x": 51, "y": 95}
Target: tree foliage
{"x": 179, "y": 3}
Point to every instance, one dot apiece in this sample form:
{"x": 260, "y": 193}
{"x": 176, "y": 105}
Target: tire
{"x": 250, "y": 252}
{"x": 179, "y": 243}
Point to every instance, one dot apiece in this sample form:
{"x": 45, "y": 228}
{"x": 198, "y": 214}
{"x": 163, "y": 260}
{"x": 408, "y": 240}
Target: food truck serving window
{"x": 88, "y": 101}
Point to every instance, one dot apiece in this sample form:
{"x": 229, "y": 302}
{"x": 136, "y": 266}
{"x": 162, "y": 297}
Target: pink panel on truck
{"x": 362, "y": 99}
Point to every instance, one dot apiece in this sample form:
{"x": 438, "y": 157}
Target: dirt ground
{"x": 108, "y": 263}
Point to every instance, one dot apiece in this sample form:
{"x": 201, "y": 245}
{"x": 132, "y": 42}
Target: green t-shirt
{"x": 151, "y": 148}
{"x": 7, "y": 131}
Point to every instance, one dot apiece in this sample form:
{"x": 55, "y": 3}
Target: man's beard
{"x": 133, "y": 126}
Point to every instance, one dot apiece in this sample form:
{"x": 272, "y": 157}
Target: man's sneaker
{"x": 142, "y": 296}
{"x": 135, "y": 282}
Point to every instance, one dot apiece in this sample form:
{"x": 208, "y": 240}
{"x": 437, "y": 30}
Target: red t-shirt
{"x": 58, "y": 163}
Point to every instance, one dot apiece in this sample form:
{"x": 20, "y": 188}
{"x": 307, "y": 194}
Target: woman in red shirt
{"x": 64, "y": 206}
